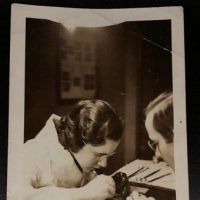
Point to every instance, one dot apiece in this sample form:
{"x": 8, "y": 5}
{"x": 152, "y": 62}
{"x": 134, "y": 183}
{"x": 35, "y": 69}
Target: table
{"x": 153, "y": 179}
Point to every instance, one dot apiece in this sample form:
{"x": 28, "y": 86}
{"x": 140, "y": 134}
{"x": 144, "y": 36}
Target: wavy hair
{"x": 90, "y": 122}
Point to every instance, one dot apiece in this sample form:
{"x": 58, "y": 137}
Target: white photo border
{"x": 100, "y": 17}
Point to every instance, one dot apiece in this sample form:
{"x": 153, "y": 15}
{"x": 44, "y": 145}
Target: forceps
{"x": 144, "y": 179}
{"x": 140, "y": 170}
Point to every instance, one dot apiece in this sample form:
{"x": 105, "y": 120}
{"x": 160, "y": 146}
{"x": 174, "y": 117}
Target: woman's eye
{"x": 98, "y": 155}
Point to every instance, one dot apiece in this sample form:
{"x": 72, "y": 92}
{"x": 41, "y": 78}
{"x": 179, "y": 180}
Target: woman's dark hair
{"x": 91, "y": 121}
{"x": 163, "y": 120}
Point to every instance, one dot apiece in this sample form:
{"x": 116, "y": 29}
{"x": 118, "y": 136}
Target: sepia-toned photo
{"x": 97, "y": 104}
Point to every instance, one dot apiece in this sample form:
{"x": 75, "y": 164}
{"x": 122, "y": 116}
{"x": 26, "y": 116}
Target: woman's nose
{"x": 102, "y": 162}
{"x": 157, "y": 156}
{"x": 157, "y": 152}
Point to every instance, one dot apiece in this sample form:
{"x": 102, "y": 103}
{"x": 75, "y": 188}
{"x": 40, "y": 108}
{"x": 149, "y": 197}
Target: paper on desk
{"x": 165, "y": 182}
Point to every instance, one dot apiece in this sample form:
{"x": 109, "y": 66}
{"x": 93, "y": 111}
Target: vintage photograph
{"x": 97, "y": 104}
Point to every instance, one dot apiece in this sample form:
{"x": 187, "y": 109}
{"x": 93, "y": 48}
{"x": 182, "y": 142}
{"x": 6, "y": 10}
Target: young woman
{"x": 60, "y": 162}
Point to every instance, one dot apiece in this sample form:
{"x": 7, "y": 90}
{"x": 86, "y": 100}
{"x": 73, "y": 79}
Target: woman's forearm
{"x": 56, "y": 193}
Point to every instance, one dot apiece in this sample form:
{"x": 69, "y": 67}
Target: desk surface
{"x": 165, "y": 182}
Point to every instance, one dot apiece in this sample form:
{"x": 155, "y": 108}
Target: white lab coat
{"x": 47, "y": 163}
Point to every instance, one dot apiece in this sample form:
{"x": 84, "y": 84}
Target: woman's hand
{"x": 136, "y": 196}
{"x": 100, "y": 188}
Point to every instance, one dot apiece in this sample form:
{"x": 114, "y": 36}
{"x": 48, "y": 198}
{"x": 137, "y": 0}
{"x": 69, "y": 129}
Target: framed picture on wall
{"x": 77, "y": 62}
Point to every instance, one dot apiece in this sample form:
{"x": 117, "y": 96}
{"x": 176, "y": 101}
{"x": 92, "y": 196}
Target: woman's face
{"x": 163, "y": 148}
{"x": 93, "y": 157}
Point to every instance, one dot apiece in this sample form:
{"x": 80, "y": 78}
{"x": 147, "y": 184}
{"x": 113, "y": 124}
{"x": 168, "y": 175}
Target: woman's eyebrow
{"x": 105, "y": 154}
{"x": 102, "y": 154}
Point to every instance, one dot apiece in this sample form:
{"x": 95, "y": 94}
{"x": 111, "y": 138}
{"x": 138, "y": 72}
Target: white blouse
{"x": 47, "y": 163}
